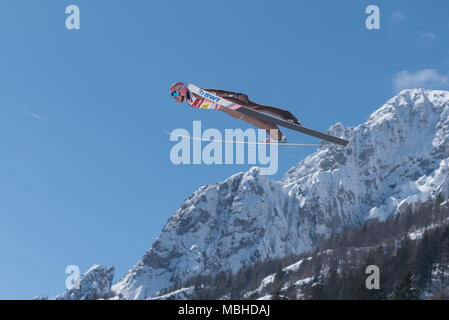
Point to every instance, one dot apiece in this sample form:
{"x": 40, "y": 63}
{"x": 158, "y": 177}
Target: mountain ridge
{"x": 397, "y": 157}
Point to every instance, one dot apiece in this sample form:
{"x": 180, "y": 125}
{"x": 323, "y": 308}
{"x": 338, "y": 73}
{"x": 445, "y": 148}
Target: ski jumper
{"x": 242, "y": 99}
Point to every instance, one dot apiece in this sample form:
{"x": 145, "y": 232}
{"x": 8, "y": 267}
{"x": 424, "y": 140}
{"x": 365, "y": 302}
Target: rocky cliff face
{"x": 399, "y": 156}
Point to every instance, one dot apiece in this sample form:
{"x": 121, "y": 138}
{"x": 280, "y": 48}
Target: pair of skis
{"x": 220, "y": 102}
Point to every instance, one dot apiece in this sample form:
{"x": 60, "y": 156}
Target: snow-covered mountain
{"x": 222, "y": 226}
{"x": 398, "y": 157}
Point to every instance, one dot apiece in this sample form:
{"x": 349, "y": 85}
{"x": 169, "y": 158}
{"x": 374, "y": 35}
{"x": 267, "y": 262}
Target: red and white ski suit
{"x": 242, "y": 99}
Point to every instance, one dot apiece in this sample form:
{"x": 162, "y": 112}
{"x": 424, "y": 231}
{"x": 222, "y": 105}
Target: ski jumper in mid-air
{"x": 181, "y": 93}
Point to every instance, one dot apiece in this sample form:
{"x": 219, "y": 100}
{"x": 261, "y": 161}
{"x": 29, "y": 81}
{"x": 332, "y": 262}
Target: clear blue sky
{"x": 85, "y": 175}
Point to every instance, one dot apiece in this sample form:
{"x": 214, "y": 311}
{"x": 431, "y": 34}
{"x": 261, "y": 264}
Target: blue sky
{"x": 85, "y": 174}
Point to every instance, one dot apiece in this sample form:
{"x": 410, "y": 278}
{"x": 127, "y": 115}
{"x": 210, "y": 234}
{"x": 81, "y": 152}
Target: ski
{"x": 241, "y": 142}
{"x": 293, "y": 126}
{"x": 264, "y": 117}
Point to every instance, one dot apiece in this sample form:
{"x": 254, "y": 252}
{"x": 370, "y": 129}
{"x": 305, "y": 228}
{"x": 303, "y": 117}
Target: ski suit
{"x": 242, "y": 99}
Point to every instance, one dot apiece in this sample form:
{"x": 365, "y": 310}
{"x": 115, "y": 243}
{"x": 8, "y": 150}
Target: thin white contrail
{"x": 30, "y": 113}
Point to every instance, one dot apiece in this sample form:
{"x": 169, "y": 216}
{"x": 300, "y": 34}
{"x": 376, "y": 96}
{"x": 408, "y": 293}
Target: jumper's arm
{"x": 229, "y": 94}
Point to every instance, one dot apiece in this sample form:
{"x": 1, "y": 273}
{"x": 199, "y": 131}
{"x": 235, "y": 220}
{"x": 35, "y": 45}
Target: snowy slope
{"x": 181, "y": 294}
{"x": 398, "y": 156}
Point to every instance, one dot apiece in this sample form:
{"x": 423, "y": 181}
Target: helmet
{"x": 179, "y": 87}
